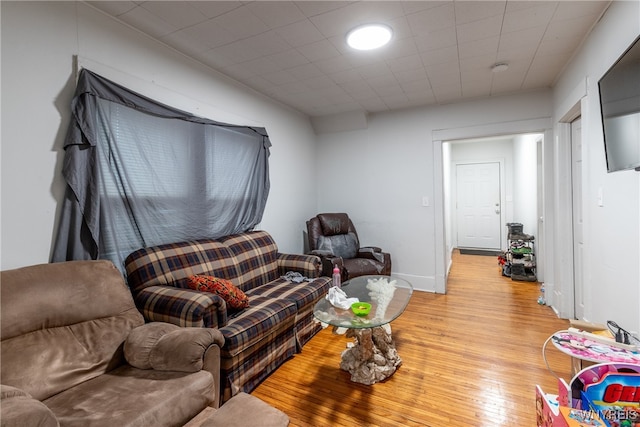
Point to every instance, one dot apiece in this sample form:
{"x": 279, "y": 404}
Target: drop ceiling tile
{"x": 421, "y": 86}
{"x": 538, "y": 15}
{"x": 379, "y": 69}
{"x": 476, "y": 63}
{"x": 114, "y": 8}
{"x": 431, "y": 20}
{"x": 399, "y": 48}
{"x": 359, "y": 90}
{"x": 385, "y": 81}
{"x": 319, "y": 83}
{"x": 345, "y": 76}
{"x": 210, "y": 33}
{"x": 276, "y": 13}
{"x": 289, "y": 59}
{"x": 374, "y": 104}
{"x": 178, "y": 13}
{"x": 575, "y": 9}
{"x": 364, "y": 59}
{"x": 477, "y": 30}
{"x": 522, "y": 39}
{"x": 340, "y": 21}
{"x": 472, "y": 11}
{"x": 313, "y": 8}
{"x": 567, "y": 27}
{"x": 262, "y": 65}
{"x": 396, "y": 101}
{"x": 438, "y": 39}
{"x": 446, "y": 93}
{"x": 319, "y": 50}
{"x": 389, "y": 91}
{"x": 278, "y": 78}
{"x": 443, "y": 74}
{"x": 410, "y": 62}
{"x": 236, "y": 52}
{"x": 239, "y": 71}
{"x": 305, "y": 71}
{"x": 557, "y": 45}
{"x": 185, "y": 43}
{"x": 292, "y": 87}
{"x": 211, "y": 9}
{"x": 411, "y": 6}
{"x": 334, "y": 65}
{"x": 268, "y": 43}
{"x": 241, "y": 23}
{"x": 475, "y": 89}
{"x": 300, "y": 33}
{"x": 438, "y": 56}
{"x": 409, "y": 76}
{"x": 147, "y": 22}
{"x": 486, "y": 46}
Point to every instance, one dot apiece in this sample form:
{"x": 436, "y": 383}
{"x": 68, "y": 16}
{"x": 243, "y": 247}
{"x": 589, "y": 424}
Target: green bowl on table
{"x": 361, "y": 308}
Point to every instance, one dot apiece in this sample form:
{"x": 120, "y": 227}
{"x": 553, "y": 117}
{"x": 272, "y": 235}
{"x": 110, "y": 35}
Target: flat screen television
{"x": 620, "y": 108}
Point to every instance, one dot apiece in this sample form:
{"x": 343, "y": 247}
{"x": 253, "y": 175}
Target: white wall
{"x": 380, "y": 174}
{"x": 525, "y": 182}
{"x": 39, "y": 41}
{"x": 612, "y": 231}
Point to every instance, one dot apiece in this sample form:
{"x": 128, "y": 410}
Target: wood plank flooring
{"x": 470, "y": 358}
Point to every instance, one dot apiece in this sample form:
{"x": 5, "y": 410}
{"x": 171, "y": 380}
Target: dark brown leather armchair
{"x": 333, "y": 237}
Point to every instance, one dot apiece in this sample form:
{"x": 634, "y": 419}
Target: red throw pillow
{"x": 233, "y": 296}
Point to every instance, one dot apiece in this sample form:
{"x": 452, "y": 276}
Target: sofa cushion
{"x": 128, "y": 396}
{"x": 302, "y": 294}
{"x": 257, "y": 256}
{"x": 264, "y": 319}
{"x": 172, "y": 264}
{"x": 233, "y": 296}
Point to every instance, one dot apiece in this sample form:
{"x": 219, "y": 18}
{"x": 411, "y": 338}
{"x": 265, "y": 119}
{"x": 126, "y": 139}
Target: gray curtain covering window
{"x": 140, "y": 173}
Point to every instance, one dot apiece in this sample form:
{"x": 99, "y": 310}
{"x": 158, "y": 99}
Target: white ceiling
{"x": 441, "y": 52}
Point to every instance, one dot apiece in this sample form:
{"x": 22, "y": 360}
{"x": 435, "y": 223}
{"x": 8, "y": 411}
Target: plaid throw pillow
{"x": 233, "y": 296}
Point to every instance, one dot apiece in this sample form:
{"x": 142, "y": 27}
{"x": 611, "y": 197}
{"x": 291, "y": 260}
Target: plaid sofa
{"x": 258, "y": 339}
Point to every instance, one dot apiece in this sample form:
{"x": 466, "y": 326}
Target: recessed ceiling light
{"x": 500, "y": 67}
{"x": 367, "y": 37}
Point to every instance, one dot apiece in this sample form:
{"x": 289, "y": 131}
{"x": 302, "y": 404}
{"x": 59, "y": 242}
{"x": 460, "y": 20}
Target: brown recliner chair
{"x": 333, "y": 237}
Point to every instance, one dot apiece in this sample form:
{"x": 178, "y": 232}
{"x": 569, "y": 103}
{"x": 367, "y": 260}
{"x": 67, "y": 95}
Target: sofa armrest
{"x": 308, "y": 265}
{"x": 182, "y": 307}
{"x": 165, "y": 347}
{"x": 329, "y": 261}
{"x": 18, "y": 408}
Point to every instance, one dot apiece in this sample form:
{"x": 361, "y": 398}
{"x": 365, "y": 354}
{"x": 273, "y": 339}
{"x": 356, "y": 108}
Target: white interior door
{"x": 578, "y": 235}
{"x": 478, "y": 205}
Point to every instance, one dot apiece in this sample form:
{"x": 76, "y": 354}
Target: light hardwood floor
{"x": 471, "y": 357}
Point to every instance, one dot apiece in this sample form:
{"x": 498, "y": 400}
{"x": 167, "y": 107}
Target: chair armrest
{"x": 165, "y": 347}
{"x": 308, "y": 265}
{"x": 182, "y": 307}
{"x": 374, "y": 253}
{"x": 371, "y": 252}
{"x": 18, "y": 408}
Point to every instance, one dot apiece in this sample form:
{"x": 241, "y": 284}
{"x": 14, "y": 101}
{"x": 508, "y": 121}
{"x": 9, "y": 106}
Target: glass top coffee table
{"x": 372, "y": 357}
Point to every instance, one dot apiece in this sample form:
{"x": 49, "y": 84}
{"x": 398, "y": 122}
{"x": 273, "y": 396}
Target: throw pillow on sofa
{"x": 233, "y": 296}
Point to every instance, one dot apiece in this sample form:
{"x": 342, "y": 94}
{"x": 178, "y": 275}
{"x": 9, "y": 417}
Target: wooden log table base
{"x": 372, "y": 357}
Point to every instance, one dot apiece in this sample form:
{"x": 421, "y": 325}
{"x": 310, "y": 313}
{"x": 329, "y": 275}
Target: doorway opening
{"x": 515, "y": 150}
